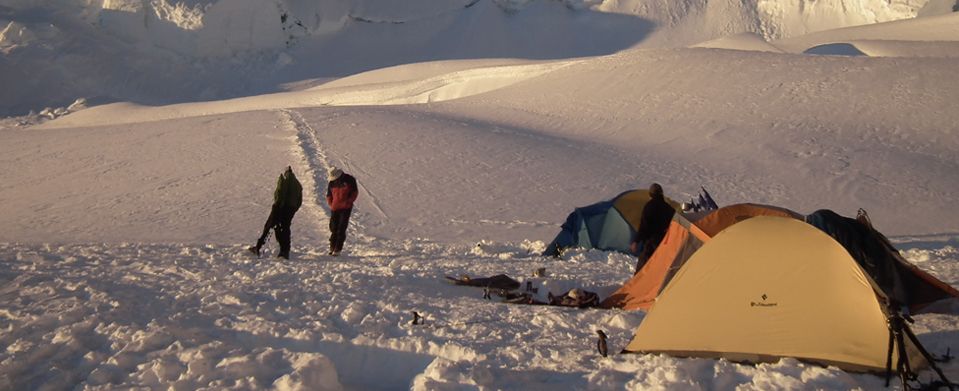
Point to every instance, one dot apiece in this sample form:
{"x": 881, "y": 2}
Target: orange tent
{"x": 723, "y": 217}
{"x": 681, "y": 241}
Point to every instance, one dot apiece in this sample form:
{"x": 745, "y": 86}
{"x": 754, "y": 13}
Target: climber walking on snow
{"x": 287, "y": 199}
{"x": 341, "y": 192}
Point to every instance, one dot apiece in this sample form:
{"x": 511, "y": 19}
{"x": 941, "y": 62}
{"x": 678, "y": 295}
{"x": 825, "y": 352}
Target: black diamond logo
{"x": 764, "y": 297}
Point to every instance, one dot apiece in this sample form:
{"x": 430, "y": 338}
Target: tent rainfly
{"x": 608, "y": 225}
{"x": 681, "y": 241}
{"x": 771, "y": 287}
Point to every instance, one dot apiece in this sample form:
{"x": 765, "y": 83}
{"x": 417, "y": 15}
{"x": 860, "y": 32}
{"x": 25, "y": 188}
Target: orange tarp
{"x": 641, "y": 290}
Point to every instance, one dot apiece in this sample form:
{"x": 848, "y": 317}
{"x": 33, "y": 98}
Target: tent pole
{"x": 928, "y": 356}
{"x": 905, "y": 370}
{"x": 892, "y": 341}
{"x": 898, "y": 331}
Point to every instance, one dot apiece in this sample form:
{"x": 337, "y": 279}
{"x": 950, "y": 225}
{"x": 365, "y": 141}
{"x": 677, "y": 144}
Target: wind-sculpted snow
{"x": 210, "y": 316}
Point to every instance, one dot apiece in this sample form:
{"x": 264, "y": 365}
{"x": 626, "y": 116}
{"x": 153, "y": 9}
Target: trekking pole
{"x": 925, "y": 353}
{"x": 892, "y": 342}
{"x": 895, "y": 323}
{"x": 899, "y": 330}
{"x": 905, "y": 370}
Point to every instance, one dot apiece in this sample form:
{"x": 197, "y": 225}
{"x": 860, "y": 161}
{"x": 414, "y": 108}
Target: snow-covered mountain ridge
{"x": 168, "y": 51}
{"x": 216, "y": 28}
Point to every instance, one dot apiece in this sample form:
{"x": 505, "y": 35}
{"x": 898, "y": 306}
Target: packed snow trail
{"x": 317, "y": 162}
{"x": 312, "y": 169}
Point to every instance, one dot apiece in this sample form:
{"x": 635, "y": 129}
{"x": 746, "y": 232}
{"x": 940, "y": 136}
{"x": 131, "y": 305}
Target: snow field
{"x": 211, "y": 317}
{"x": 866, "y": 149}
{"x": 181, "y": 181}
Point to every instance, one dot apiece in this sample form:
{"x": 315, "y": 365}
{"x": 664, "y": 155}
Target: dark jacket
{"x": 341, "y": 193}
{"x": 655, "y": 220}
{"x": 289, "y": 193}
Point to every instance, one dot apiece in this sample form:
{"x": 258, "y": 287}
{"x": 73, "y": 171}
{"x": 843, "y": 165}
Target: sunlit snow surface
{"x": 123, "y": 227}
{"x": 195, "y": 316}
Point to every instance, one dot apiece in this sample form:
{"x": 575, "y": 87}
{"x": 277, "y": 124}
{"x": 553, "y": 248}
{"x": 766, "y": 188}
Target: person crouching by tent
{"x": 652, "y": 225}
{"x": 341, "y": 192}
{"x": 287, "y": 199}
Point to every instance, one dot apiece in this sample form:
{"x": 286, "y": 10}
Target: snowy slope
{"x": 799, "y": 131}
{"x": 795, "y": 139}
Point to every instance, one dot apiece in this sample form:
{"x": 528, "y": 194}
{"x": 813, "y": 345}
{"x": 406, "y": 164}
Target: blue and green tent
{"x": 608, "y": 225}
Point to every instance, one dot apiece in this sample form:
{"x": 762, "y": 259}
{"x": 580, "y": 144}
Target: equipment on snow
{"x": 499, "y": 281}
{"x": 576, "y": 297}
{"x": 601, "y": 343}
{"x": 417, "y": 319}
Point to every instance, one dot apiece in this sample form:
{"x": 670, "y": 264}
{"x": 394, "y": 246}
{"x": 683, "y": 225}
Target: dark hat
{"x": 655, "y": 190}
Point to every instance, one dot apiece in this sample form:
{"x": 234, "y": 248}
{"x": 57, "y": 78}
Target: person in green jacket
{"x": 287, "y": 199}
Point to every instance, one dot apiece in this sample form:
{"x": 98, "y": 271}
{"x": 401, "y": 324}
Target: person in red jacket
{"x": 341, "y": 192}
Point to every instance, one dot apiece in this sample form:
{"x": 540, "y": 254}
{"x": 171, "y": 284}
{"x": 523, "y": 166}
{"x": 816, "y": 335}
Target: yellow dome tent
{"x": 772, "y": 287}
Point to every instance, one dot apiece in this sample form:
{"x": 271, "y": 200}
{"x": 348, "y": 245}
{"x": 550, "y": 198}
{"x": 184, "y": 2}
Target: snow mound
{"x": 447, "y": 86}
{"x": 932, "y": 36}
{"x": 887, "y": 48}
{"x": 440, "y": 82}
{"x": 743, "y": 41}
{"x": 836, "y": 49}
{"x": 311, "y": 371}
{"x": 417, "y": 71}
